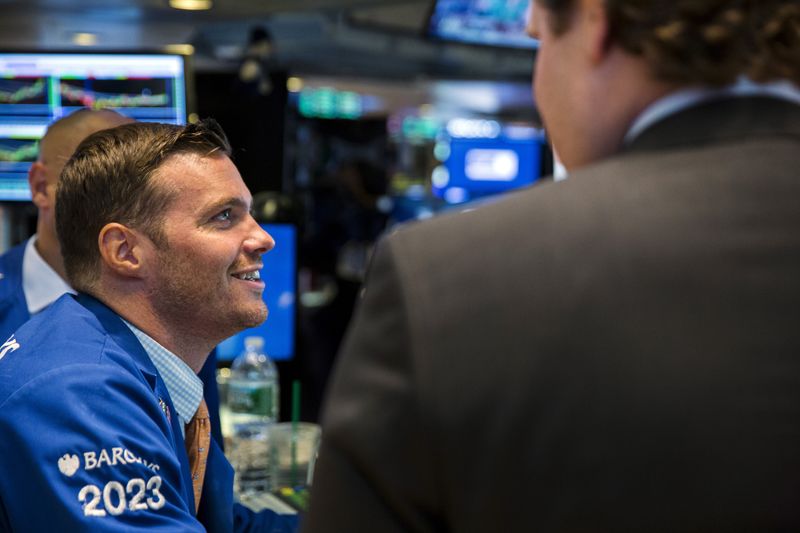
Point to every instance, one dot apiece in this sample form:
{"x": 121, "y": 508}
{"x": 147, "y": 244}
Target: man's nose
{"x": 259, "y": 241}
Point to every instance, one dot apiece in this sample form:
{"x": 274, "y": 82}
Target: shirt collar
{"x": 41, "y": 284}
{"x": 679, "y": 100}
{"x": 184, "y": 387}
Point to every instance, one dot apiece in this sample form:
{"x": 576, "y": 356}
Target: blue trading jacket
{"x": 90, "y": 438}
{"x": 13, "y": 307}
{"x": 14, "y": 313}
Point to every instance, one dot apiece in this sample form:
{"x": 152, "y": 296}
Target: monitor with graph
{"x": 38, "y": 88}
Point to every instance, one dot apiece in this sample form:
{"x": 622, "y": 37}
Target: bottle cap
{"x": 254, "y": 343}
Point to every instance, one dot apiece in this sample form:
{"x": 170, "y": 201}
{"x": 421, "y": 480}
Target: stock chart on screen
{"x": 38, "y": 88}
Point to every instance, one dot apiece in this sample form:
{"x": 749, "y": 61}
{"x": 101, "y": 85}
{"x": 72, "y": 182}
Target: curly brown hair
{"x": 710, "y": 42}
{"x": 109, "y": 179}
{"x": 776, "y": 43}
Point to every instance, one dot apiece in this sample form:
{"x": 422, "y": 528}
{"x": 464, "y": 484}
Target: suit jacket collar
{"x": 728, "y": 119}
{"x": 113, "y": 325}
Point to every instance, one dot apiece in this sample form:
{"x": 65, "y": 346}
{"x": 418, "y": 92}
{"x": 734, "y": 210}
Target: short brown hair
{"x": 109, "y": 179}
{"x": 710, "y": 42}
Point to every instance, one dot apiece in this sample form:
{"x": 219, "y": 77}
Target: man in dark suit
{"x": 617, "y": 351}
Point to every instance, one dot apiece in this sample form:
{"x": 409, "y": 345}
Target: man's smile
{"x": 251, "y": 275}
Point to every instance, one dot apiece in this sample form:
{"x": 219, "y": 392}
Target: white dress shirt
{"x": 41, "y": 284}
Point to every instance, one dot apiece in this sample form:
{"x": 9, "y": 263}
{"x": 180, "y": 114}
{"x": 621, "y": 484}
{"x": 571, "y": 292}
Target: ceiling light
{"x": 294, "y": 85}
{"x": 190, "y": 5}
{"x": 84, "y": 39}
{"x": 180, "y": 48}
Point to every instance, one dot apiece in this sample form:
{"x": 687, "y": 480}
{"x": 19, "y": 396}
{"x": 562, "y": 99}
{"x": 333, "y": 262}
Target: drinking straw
{"x": 295, "y": 423}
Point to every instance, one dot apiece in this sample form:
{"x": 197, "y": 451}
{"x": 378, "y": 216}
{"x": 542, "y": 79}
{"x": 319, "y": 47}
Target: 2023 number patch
{"x": 137, "y": 495}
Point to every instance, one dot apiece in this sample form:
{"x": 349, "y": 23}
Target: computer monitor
{"x": 280, "y": 294}
{"x": 481, "y": 22}
{"x": 486, "y": 158}
{"x": 38, "y": 88}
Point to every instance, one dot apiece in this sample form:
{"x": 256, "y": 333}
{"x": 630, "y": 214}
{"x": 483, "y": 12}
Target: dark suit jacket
{"x": 616, "y": 352}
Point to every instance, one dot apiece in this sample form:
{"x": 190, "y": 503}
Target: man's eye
{"x": 223, "y": 216}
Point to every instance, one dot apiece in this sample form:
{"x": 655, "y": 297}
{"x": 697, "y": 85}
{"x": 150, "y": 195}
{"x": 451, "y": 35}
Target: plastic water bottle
{"x": 253, "y": 403}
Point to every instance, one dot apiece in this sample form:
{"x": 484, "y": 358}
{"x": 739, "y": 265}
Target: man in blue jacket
{"x": 32, "y": 274}
{"x": 102, "y": 415}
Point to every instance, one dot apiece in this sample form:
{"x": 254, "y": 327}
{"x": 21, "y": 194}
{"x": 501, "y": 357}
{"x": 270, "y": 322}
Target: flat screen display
{"x": 280, "y": 294}
{"x": 38, "y": 88}
{"x": 484, "y": 22}
{"x": 485, "y": 158}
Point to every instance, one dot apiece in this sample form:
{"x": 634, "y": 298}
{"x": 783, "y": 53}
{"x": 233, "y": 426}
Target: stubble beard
{"x": 182, "y": 301}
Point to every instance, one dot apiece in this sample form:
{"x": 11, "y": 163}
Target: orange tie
{"x": 198, "y": 439}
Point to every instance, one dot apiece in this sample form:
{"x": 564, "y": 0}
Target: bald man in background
{"x": 32, "y": 274}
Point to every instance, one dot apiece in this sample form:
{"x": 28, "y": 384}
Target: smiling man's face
{"x": 207, "y": 276}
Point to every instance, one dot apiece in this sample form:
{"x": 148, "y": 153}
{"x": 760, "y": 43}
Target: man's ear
{"x": 123, "y": 250}
{"x": 41, "y": 196}
{"x": 595, "y": 30}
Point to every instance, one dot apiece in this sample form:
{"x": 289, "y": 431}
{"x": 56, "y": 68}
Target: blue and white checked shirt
{"x": 184, "y": 387}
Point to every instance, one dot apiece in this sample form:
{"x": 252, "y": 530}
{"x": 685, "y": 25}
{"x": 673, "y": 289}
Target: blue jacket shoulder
{"x": 13, "y": 307}
{"x": 64, "y": 334}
